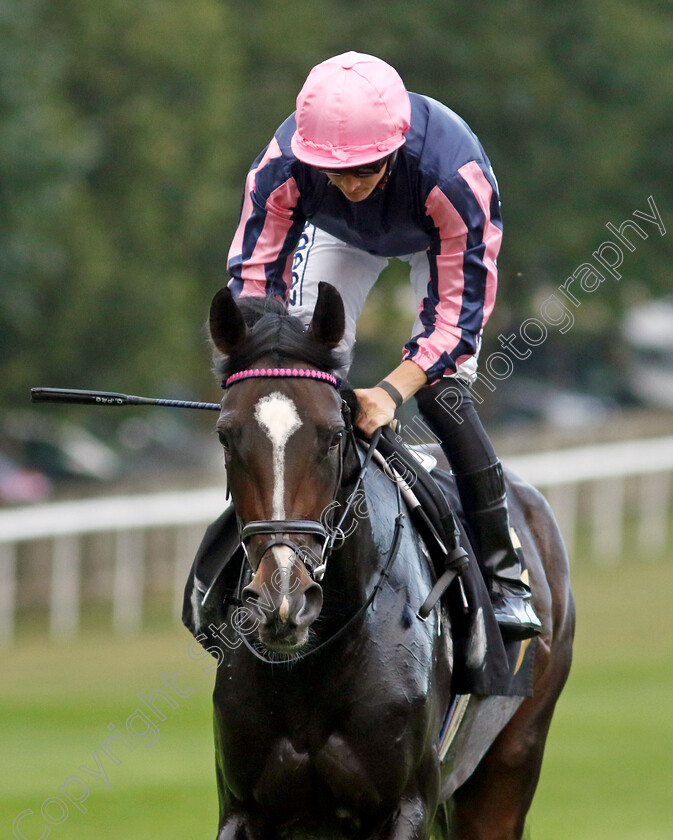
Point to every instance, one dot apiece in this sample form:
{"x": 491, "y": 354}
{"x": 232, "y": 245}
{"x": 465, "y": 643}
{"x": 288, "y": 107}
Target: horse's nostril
{"x": 252, "y": 604}
{"x": 249, "y": 594}
{"x": 311, "y": 606}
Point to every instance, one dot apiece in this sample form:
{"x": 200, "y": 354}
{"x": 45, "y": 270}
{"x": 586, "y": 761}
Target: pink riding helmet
{"x": 352, "y": 110}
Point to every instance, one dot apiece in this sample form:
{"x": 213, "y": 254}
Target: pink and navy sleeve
{"x": 260, "y": 256}
{"x": 464, "y": 213}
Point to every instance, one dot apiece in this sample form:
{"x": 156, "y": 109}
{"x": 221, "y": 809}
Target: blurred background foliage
{"x": 126, "y": 130}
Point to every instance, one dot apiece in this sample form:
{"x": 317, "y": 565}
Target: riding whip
{"x": 70, "y": 395}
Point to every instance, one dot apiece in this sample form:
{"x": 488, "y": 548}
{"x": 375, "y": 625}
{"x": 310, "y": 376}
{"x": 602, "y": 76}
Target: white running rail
{"x": 595, "y": 492}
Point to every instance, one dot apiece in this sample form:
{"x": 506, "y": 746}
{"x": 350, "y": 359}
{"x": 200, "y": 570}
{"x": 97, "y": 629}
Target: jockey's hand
{"x": 377, "y": 408}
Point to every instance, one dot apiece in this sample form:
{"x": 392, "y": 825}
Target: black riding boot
{"x": 498, "y": 551}
{"x": 449, "y": 410}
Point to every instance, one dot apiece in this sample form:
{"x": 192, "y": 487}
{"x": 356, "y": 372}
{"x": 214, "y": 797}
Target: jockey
{"x": 361, "y": 172}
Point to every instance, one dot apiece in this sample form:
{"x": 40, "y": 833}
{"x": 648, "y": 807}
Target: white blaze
{"x": 277, "y": 415}
{"x": 284, "y": 558}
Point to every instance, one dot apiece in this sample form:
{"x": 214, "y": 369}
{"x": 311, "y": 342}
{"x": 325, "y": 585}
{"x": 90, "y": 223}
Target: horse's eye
{"x": 223, "y": 440}
{"x": 337, "y": 437}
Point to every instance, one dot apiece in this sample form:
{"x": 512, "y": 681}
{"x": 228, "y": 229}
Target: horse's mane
{"x": 276, "y": 335}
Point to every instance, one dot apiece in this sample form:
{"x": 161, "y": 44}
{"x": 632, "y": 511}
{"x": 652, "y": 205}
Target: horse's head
{"x": 282, "y": 429}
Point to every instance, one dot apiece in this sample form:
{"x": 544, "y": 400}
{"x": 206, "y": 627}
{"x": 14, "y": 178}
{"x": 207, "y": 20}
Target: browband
{"x": 279, "y": 373}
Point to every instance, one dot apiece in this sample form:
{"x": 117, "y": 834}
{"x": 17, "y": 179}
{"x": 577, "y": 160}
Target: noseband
{"x": 280, "y": 529}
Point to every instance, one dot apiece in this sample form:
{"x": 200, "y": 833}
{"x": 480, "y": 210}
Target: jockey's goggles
{"x": 364, "y": 171}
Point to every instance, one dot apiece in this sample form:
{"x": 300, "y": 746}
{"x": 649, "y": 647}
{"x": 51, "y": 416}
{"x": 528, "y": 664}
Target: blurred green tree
{"x": 115, "y": 120}
{"x": 126, "y": 131}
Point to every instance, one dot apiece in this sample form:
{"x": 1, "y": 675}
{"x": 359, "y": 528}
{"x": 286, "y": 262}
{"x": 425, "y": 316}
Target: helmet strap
{"x": 390, "y": 163}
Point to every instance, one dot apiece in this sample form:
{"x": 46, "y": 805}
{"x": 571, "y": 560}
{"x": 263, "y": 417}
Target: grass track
{"x": 608, "y": 770}
{"x": 56, "y": 704}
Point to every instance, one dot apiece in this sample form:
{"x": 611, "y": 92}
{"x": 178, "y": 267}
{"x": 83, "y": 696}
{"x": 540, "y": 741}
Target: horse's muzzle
{"x": 282, "y": 601}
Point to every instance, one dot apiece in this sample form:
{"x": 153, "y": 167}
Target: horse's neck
{"x": 369, "y": 528}
{"x": 355, "y": 560}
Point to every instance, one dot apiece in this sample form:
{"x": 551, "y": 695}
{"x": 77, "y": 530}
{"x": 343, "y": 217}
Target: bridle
{"x": 279, "y": 530}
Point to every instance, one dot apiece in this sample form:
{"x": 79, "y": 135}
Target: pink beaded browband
{"x": 279, "y": 373}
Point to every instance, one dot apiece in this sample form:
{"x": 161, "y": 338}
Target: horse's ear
{"x": 329, "y": 319}
{"x": 227, "y": 326}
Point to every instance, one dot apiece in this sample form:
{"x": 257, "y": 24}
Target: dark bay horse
{"x": 327, "y": 717}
